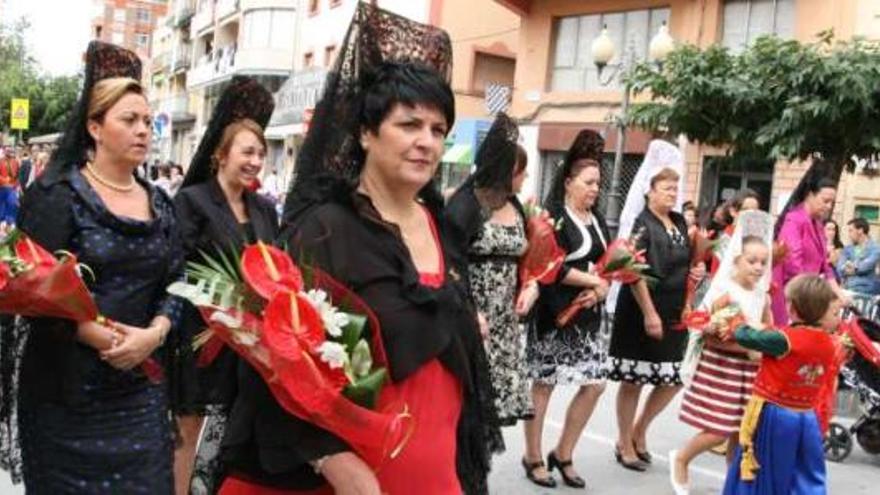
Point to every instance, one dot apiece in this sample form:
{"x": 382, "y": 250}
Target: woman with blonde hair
{"x": 90, "y": 420}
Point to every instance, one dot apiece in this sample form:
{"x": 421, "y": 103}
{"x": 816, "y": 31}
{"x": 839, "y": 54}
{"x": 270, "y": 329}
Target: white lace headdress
{"x": 754, "y": 223}
{"x": 660, "y": 155}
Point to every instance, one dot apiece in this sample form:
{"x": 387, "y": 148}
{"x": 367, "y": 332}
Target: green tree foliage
{"x": 777, "y": 99}
{"x": 51, "y": 97}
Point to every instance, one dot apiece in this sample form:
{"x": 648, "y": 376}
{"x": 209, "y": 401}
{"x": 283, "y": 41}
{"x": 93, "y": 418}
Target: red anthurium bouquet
{"x": 306, "y": 335}
{"x": 622, "y": 262}
{"x": 543, "y": 257}
{"x": 701, "y": 246}
{"x": 34, "y": 283}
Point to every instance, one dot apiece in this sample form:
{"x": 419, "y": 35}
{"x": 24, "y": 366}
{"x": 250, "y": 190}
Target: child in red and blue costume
{"x": 780, "y": 437}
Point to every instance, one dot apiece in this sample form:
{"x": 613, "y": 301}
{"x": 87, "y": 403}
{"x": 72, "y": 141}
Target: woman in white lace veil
{"x": 714, "y": 370}
{"x": 660, "y": 155}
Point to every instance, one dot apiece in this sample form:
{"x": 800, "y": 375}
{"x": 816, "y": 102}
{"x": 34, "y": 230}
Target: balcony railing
{"x": 184, "y": 12}
{"x": 227, "y": 61}
{"x": 160, "y": 62}
{"x": 181, "y": 57}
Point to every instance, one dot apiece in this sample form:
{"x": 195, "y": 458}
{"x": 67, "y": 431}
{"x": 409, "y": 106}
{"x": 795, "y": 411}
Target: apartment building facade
{"x": 127, "y": 23}
{"x": 558, "y": 90}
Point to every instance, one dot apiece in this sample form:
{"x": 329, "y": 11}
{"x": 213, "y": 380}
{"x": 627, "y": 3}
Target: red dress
{"x": 426, "y": 465}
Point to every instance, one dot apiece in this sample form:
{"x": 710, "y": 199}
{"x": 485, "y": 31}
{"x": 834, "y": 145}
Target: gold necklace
{"x": 107, "y": 182}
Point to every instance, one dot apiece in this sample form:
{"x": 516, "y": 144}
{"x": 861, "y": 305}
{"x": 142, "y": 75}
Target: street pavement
{"x": 859, "y": 474}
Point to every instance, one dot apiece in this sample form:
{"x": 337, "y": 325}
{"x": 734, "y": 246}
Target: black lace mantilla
{"x": 331, "y": 151}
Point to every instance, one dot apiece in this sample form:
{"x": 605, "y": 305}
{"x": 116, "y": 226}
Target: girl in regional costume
{"x": 716, "y": 396}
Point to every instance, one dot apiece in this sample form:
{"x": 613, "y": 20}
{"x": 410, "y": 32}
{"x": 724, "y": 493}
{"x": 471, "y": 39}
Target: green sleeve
{"x": 772, "y": 342}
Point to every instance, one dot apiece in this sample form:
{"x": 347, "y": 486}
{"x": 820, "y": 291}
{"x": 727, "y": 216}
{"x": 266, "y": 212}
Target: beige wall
{"x": 476, "y": 26}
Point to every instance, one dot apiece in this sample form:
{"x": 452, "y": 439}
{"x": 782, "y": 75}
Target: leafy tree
{"x": 777, "y": 99}
{"x": 51, "y": 98}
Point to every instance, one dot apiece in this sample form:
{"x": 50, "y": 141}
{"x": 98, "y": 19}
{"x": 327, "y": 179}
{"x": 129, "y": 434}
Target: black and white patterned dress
{"x": 494, "y": 256}
{"x": 576, "y": 354}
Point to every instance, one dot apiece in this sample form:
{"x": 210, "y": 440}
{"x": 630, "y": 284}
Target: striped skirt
{"x": 716, "y": 398}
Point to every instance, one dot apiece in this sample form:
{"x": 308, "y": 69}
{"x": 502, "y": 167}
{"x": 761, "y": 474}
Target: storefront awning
{"x": 458, "y": 153}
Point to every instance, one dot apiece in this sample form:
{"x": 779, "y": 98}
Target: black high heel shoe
{"x": 638, "y": 466}
{"x": 553, "y": 462}
{"x": 643, "y": 455}
{"x": 530, "y": 468}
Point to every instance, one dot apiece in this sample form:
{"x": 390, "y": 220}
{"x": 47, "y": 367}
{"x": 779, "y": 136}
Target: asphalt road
{"x": 859, "y": 474}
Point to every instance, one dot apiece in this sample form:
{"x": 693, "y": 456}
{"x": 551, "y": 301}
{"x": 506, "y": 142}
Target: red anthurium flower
{"x": 32, "y": 253}
{"x": 268, "y": 270}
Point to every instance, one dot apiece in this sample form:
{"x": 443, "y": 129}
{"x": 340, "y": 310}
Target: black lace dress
{"x": 85, "y": 426}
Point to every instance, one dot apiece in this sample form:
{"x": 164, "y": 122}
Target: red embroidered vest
{"x": 795, "y": 379}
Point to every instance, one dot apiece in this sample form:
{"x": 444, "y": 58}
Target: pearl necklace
{"x": 107, "y": 182}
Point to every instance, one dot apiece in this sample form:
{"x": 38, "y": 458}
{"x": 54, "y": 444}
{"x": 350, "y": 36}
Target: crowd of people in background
{"x": 19, "y": 167}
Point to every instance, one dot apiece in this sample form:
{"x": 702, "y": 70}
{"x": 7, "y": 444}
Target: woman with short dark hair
{"x": 363, "y": 209}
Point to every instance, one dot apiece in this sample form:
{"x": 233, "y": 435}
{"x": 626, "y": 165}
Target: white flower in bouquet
{"x": 333, "y": 319}
{"x": 333, "y": 353}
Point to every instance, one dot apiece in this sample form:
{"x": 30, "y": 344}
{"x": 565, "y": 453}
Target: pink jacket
{"x": 805, "y": 239}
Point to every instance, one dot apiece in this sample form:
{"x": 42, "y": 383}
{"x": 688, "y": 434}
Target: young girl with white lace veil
{"x": 718, "y": 391}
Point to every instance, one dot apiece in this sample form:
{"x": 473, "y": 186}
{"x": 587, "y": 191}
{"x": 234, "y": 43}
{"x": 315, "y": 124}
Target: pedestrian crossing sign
{"x": 19, "y": 114}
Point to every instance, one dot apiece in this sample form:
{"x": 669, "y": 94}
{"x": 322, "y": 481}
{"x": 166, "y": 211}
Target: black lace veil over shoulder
{"x": 331, "y": 155}
{"x": 243, "y": 98}
{"x": 587, "y": 144}
{"x": 495, "y": 163}
{"x": 103, "y": 61}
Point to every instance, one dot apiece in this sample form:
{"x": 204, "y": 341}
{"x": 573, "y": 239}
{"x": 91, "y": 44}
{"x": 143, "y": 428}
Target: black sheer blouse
{"x": 348, "y": 240}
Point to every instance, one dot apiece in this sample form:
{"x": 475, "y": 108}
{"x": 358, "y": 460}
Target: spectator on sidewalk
{"x": 9, "y": 167}
{"x": 857, "y": 265}
{"x": 25, "y": 170}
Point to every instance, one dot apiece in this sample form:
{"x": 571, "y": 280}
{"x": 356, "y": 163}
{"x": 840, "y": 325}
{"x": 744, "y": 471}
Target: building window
{"x": 98, "y": 30}
{"x": 746, "y": 20}
{"x": 118, "y": 38}
{"x": 308, "y": 60}
{"x": 329, "y": 55}
{"x": 119, "y": 15}
{"x": 572, "y": 64}
{"x": 490, "y": 68}
{"x": 268, "y": 28}
{"x": 142, "y": 40}
{"x": 142, "y": 15}
{"x": 870, "y": 213}
{"x": 314, "y": 5}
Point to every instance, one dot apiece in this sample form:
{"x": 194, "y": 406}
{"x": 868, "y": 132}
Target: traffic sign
{"x": 19, "y": 114}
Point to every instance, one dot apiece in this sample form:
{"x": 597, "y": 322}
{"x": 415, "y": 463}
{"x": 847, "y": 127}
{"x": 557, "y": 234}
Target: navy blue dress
{"x": 87, "y": 427}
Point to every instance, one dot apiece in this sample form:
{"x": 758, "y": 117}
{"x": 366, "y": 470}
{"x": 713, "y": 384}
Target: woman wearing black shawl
{"x": 363, "y": 209}
{"x": 218, "y": 214}
{"x": 488, "y": 223}
{"x": 90, "y": 420}
{"x": 576, "y": 352}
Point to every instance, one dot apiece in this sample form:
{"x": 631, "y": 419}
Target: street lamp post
{"x": 603, "y": 51}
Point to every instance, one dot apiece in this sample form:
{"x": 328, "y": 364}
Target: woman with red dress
{"x": 364, "y": 210}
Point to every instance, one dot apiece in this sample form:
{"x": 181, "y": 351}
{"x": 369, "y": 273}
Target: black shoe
{"x": 631, "y": 465}
{"x": 553, "y": 462}
{"x": 643, "y": 455}
{"x": 530, "y": 467}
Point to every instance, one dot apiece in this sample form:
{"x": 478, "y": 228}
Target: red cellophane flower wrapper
{"x": 45, "y": 287}
{"x": 543, "y": 257}
{"x": 281, "y": 341}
